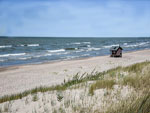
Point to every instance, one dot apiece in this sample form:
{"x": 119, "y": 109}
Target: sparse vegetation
{"x": 35, "y": 97}
{"x": 6, "y": 107}
{"x": 132, "y": 105}
{"x": 135, "y": 79}
{"x": 65, "y": 70}
{"x": 59, "y": 97}
{"x": 0, "y": 110}
{"x": 101, "y": 84}
{"x": 138, "y": 67}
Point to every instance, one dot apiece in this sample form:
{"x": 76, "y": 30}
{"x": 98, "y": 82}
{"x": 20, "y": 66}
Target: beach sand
{"x": 17, "y": 79}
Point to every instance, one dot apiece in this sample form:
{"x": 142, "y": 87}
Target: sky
{"x": 75, "y": 18}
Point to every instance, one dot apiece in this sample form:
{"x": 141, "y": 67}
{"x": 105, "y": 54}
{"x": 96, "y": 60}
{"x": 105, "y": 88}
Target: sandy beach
{"x": 17, "y": 79}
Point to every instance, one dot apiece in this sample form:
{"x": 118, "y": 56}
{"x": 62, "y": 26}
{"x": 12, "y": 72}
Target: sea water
{"x": 24, "y": 50}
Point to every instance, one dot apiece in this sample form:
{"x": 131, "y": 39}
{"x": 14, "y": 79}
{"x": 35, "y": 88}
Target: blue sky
{"x": 75, "y": 18}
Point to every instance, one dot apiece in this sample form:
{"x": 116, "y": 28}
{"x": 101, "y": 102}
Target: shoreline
{"x": 17, "y": 79}
{"x": 5, "y": 68}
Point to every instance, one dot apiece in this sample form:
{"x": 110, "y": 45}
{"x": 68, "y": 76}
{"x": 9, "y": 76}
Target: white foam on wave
{"x": 78, "y": 43}
{"x": 65, "y": 53}
{"x": 24, "y": 58}
{"x": 85, "y": 55}
{"x": 93, "y": 49}
{"x": 16, "y": 54}
{"x": 109, "y": 46}
{"x": 86, "y": 42}
{"x": 80, "y": 50}
{"x": 54, "y": 51}
{"x": 47, "y": 54}
{"x": 143, "y": 43}
{"x": 21, "y": 45}
{"x": 1, "y": 60}
{"x": 71, "y": 57}
{"x": 137, "y": 44}
{"x": 125, "y": 44}
{"x": 32, "y": 45}
{"x": 5, "y": 46}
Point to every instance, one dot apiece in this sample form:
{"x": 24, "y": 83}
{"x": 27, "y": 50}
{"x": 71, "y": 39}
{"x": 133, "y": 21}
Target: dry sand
{"x": 16, "y": 79}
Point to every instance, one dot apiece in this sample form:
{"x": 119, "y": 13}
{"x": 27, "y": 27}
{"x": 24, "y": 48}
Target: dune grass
{"x": 132, "y": 105}
{"x": 136, "y": 67}
{"x": 136, "y": 76}
{"x": 77, "y": 79}
{"x": 101, "y": 84}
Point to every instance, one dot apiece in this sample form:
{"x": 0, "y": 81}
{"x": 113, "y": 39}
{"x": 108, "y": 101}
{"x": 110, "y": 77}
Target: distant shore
{"x": 15, "y": 79}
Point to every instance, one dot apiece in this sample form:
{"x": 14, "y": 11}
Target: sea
{"x": 32, "y": 50}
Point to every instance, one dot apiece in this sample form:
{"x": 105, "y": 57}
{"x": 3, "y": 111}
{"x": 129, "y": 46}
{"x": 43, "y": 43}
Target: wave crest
{"x": 54, "y": 51}
{"x": 16, "y": 54}
{"x": 5, "y": 46}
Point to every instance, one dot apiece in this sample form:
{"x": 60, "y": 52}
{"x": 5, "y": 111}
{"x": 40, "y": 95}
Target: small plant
{"x": 35, "y": 98}
{"x": 61, "y": 110}
{"x": 91, "y": 90}
{"x": 59, "y": 97}
{"x": 54, "y": 111}
{"x": 55, "y": 73}
{"x": 106, "y": 93}
{"x": 0, "y": 110}
{"x": 53, "y": 103}
{"x": 64, "y": 81}
{"x": 67, "y": 103}
{"x": 65, "y": 70}
{"x": 81, "y": 67}
{"x": 46, "y": 110}
{"x": 34, "y": 111}
{"x": 6, "y": 107}
{"x": 26, "y": 101}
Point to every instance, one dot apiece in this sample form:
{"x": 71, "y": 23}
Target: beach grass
{"x": 101, "y": 84}
{"x": 135, "y": 77}
{"x": 134, "y": 105}
{"x": 83, "y": 78}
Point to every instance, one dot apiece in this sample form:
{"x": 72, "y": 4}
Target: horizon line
{"x": 74, "y": 37}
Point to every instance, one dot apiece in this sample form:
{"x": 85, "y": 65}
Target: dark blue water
{"x": 23, "y": 50}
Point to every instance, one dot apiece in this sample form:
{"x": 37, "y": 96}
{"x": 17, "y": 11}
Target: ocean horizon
{"x": 30, "y": 50}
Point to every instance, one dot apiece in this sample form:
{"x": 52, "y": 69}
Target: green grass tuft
{"x": 101, "y": 84}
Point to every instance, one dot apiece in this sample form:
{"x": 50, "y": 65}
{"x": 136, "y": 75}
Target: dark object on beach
{"x": 116, "y": 51}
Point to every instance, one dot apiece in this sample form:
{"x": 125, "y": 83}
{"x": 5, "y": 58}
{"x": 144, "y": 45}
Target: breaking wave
{"x": 109, "y": 46}
{"x": 1, "y": 60}
{"x": 93, "y": 49}
{"x": 25, "y": 58}
{"x": 135, "y": 45}
{"x": 86, "y": 42}
{"x": 16, "y": 54}
{"x": 54, "y": 51}
{"x": 78, "y": 43}
{"x": 5, "y": 46}
{"x": 32, "y": 45}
